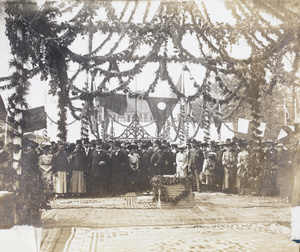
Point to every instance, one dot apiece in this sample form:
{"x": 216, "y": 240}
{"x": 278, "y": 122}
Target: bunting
{"x": 114, "y": 102}
{"x": 34, "y": 119}
{"x": 161, "y": 108}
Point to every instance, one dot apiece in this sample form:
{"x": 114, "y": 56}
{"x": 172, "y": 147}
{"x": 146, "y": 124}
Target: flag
{"x": 34, "y": 119}
{"x": 282, "y": 134}
{"x": 243, "y": 125}
{"x": 114, "y": 102}
{"x": 3, "y": 111}
{"x": 288, "y": 129}
{"x": 262, "y": 128}
{"x": 161, "y": 108}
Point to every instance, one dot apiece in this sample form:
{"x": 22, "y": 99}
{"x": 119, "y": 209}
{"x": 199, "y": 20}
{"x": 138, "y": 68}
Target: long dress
{"x": 45, "y": 166}
{"x": 229, "y": 162}
{"x": 78, "y": 182}
{"x": 61, "y": 168}
{"x": 242, "y": 171}
{"x": 181, "y": 164}
{"x": 209, "y": 171}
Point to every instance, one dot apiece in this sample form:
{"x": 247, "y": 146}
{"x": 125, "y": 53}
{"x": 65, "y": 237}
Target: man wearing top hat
{"x": 157, "y": 159}
{"x": 88, "y": 147}
{"x": 196, "y": 162}
{"x": 99, "y": 170}
{"x": 230, "y": 169}
{"x": 145, "y": 157}
{"x": 119, "y": 170}
{"x": 219, "y": 169}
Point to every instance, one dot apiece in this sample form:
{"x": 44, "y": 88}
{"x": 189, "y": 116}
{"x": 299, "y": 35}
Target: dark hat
{"x": 212, "y": 143}
{"x": 157, "y": 142}
{"x": 194, "y": 141}
{"x": 98, "y": 142}
{"x": 30, "y": 143}
{"x": 228, "y": 142}
{"x": 117, "y": 144}
{"x": 165, "y": 146}
{"x": 86, "y": 140}
{"x": 144, "y": 146}
{"x": 106, "y": 146}
{"x": 204, "y": 144}
{"x": 78, "y": 141}
{"x": 132, "y": 146}
{"x": 242, "y": 144}
{"x": 93, "y": 143}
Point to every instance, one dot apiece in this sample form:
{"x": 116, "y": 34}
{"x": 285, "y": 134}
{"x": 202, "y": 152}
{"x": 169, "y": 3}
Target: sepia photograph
{"x": 149, "y": 125}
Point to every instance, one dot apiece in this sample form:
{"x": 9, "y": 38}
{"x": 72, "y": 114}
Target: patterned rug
{"x": 208, "y": 237}
{"x": 112, "y": 202}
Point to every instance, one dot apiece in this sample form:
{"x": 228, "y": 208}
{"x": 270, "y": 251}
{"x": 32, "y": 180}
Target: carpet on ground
{"x": 123, "y": 202}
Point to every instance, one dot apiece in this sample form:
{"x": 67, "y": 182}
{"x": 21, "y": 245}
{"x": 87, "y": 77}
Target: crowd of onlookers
{"x": 114, "y": 167}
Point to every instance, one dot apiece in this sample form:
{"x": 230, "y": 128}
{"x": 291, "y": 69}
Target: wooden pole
{"x": 17, "y": 140}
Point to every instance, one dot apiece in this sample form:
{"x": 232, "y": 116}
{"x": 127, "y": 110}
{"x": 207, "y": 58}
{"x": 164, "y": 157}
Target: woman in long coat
{"x": 78, "y": 164}
{"x": 61, "y": 168}
{"x": 45, "y": 165}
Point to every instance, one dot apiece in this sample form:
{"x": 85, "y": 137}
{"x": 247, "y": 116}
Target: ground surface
{"x": 217, "y": 222}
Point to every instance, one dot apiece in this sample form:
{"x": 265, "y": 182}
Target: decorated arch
{"x": 91, "y": 49}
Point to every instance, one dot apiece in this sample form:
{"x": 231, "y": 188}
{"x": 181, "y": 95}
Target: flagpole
{"x": 5, "y": 135}
{"x": 284, "y": 111}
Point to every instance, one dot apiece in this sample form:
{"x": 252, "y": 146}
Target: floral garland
{"x": 44, "y": 37}
{"x": 160, "y": 183}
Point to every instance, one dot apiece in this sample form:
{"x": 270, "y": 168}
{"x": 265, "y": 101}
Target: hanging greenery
{"x": 47, "y": 47}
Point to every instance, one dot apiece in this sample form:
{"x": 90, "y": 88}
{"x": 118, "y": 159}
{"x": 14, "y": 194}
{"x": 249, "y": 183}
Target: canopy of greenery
{"x": 270, "y": 28}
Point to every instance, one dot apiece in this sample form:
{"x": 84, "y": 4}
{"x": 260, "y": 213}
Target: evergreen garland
{"x": 46, "y": 48}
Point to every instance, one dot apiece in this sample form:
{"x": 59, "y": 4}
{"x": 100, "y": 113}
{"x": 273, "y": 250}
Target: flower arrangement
{"x": 160, "y": 183}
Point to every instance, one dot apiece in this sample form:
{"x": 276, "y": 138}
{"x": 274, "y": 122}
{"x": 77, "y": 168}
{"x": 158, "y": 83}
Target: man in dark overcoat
{"x": 99, "y": 170}
{"x": 157, "y": 159}
{"x": 119, "y": 170}
{"x": 196, "y": 162}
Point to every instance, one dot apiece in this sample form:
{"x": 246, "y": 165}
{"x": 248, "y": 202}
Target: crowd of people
{"x": 110, "y": 168}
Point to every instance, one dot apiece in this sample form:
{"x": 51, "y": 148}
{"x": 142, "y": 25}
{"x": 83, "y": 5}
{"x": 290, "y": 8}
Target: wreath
{"x": 160, "y": 182}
